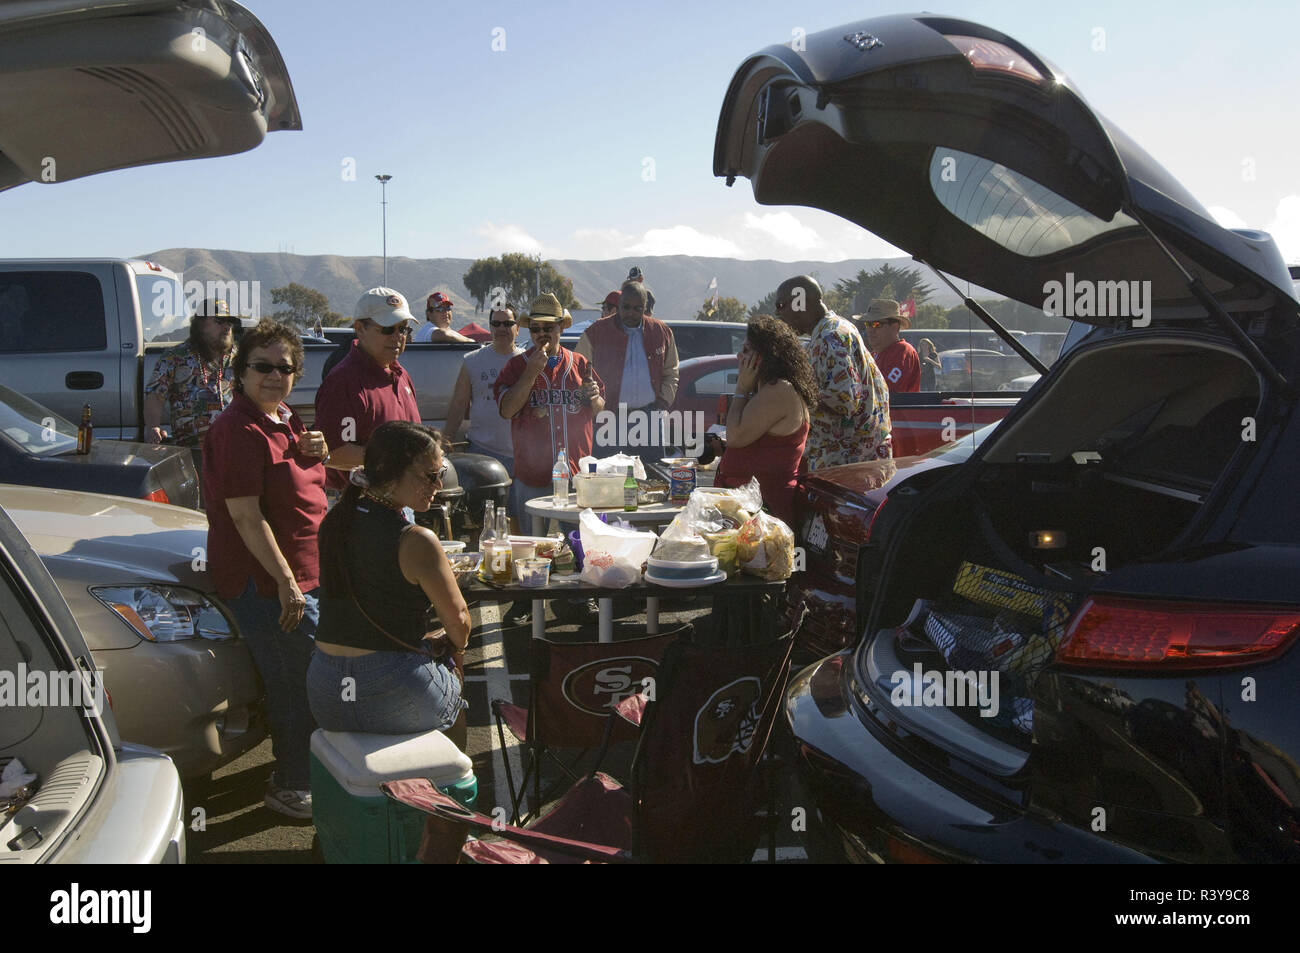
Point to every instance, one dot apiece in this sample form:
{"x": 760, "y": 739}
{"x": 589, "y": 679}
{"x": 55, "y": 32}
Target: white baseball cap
{"x": 384, "y": 306}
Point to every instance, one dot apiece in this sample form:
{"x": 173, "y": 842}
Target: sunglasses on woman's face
{"x": 262, "y": 367}
{"x": 434, "y": 476}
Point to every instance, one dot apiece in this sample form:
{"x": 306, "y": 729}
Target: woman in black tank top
{"x": 393, "y": 625}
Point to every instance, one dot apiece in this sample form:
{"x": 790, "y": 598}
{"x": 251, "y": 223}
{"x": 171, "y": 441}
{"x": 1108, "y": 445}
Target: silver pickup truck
{"x": 89, "y": 331}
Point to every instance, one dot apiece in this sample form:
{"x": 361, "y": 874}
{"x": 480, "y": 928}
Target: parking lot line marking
{"x": 498, "y": 680}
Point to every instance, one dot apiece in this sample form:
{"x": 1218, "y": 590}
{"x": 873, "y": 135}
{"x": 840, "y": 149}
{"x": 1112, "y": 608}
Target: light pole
{"x": 383, "y": 202}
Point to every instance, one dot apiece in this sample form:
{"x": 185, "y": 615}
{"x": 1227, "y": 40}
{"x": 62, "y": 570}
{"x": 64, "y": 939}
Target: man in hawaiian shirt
{"x": 192, "y": 380}
{"x": 851, "y": 423}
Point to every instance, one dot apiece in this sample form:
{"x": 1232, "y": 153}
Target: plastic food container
{"x": 452, "y": 546}
{"x": 599, "y": 490}
{"x": 533, "y": 572}
{"x": 681, "y": 569}
{"x": 522, "y": 548}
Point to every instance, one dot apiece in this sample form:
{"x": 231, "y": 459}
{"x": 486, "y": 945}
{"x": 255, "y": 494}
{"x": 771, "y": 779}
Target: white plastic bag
{"x": 618, "y": 463}
{"x": 702, "y": 513}
{"x": 611, "y": 555}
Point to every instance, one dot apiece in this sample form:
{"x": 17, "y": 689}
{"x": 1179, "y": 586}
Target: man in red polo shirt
{"x": 368, "y": 387}
{"x": 551, "y": 396}
{"x": 897, "y": 359}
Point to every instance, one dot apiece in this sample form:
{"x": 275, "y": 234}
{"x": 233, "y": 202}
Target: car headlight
{"x": 166, "y": 613}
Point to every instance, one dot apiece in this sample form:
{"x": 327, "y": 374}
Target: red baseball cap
{"x": 613, "y": 298}
{"x": 438, "y": 300}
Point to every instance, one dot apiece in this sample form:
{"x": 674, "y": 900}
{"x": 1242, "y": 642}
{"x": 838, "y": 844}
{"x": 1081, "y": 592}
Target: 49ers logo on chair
{"x": 726, "y": 723}
{"x": 598, "y": 686}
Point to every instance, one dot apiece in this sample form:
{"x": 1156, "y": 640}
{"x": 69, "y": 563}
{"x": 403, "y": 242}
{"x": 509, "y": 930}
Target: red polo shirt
{"x": 358, "y": 396}
{"x": 901, "y": 367}
{"x": 246, "y": 453}
{"x": 538, "y": 430}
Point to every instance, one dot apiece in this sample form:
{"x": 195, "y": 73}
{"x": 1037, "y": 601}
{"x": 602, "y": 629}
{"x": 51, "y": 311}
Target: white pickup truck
{"x": 89, "y": 331}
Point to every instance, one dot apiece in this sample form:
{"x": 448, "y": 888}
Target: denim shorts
{"x": 384, "y": 693}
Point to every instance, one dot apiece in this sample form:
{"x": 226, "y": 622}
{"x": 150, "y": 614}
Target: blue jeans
{"x": 383, "y": 693}
{"x": 282, "y": 659}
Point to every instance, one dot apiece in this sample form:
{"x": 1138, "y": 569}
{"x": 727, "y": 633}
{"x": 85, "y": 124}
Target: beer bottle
{"x": 85, "y": 432}
{"x": 629, "y": 492}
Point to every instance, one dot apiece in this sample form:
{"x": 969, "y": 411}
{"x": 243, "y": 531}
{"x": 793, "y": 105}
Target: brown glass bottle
{"x": 85, "y": 432}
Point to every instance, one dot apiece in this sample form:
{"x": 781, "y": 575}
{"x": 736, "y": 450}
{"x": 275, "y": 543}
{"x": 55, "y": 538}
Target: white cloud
{"x": 685, "y": 240}
{"x": 509, "y": 238}
{"x": 785, "y": 229}
{"x": 1285, "y": 227}
{"x": 1227, "y": 217}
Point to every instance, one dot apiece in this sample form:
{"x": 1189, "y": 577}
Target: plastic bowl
{"x": 453, "y": 546}
{"x": 682, "y": 569}
{"x": 522, "y": 548}
{"x": 533, "y": 572}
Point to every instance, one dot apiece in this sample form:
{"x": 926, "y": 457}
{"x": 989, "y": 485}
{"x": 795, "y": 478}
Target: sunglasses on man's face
{"x": 389, "y": 330}
{"x": 881, "y": 324}
{"x": 227, "y": 320}
{"x": 542, "y": 328}
{"x": 263, "y": 367}
{"x": 502, "y": 324}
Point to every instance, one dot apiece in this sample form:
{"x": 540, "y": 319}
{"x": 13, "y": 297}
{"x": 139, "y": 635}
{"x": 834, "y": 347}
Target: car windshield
{"x": 959, "y": 451}
{"x": 36, "y": 430}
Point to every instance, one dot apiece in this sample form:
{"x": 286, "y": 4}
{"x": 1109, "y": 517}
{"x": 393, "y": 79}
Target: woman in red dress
{"x": 767, "y": 422}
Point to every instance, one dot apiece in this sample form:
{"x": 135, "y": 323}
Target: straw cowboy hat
{"x": 547, "y": 307}
{"x": 886, "y": 309}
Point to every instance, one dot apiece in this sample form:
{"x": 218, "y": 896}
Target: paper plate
{"x": 718, "y": 576}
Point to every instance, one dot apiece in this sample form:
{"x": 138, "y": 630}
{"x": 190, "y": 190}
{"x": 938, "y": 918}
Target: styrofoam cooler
{"x": 355, "y": 822}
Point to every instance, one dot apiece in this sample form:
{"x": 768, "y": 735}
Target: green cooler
{"x": 355, "y": 822}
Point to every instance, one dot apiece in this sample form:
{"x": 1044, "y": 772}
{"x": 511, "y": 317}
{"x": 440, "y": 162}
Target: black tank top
{"x": 379, "y": 586}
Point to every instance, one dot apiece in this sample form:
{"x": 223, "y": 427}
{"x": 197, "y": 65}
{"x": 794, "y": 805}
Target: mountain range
{"x": 680, "y": 282}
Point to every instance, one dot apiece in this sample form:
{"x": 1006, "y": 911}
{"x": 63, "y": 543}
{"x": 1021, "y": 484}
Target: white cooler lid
{"x": 361, "y": 762}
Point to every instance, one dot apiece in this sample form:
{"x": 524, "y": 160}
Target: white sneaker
{"x": 295, "y": 804}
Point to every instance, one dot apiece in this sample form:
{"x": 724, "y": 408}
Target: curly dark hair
{"x": 392, "y": 448}
{"x": 266, "y": 333}
{"x": 783, "y": 356}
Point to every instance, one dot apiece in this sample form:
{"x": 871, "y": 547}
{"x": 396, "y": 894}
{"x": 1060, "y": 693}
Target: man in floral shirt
{"x": 193, "y": 379}
{"x": 851, "y": 423}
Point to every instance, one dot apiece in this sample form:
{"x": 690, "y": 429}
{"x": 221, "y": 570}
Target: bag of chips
{"x": 765, "y": 548}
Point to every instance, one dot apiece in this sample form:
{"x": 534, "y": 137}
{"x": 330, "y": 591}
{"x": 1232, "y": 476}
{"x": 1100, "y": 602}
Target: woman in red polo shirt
{"x": 767, "y": 423}
{"x": 264, "y": 484}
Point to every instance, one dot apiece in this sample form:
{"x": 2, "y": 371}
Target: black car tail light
{"x": 1130, "y": 633}
{"x": 871, "y": 524}
{"x": 994, "y": 57}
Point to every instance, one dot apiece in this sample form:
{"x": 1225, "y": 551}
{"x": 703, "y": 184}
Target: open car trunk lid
{"x": 179, "y": 79}
{"x": 963, "y": 147}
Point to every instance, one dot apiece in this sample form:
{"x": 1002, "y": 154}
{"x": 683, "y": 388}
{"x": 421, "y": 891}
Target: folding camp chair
{"x": 691, "y": 796}
{"x": 573, "y": 688}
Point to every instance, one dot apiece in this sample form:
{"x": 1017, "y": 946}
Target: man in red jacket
{"x": 635, "y": 356}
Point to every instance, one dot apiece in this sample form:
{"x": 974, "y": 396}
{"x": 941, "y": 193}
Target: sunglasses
{"x": 391, "y": 329}
{"x": 434, "y": 476}
{"x": 226, "y": 320}
{"x": 262, "y": 367}
{"x": 445, "y": 307}
{"x": 502, "y": 324}
{"x": 541, "y": 328}
{"x": 881, "y": 324}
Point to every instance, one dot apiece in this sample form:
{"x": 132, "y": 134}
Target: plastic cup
{"x": 522, "y": 549}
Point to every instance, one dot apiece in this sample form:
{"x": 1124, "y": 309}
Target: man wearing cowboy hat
{"x": 437, "y": 322}
{"x": 897, "y": 359}
{"x": 368, "y": 387}
{"x": 551, "y": 397}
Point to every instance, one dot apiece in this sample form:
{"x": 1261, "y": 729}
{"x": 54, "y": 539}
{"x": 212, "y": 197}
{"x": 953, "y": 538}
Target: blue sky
{"x": 543, "y": 146}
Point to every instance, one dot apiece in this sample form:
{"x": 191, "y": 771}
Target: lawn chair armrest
{"x": 421, "y": 794}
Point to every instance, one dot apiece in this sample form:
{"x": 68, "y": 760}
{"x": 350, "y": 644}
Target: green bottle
{"x": 629, "y": 492}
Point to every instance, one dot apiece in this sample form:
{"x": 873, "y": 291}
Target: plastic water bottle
{"x": 560, "y": 479}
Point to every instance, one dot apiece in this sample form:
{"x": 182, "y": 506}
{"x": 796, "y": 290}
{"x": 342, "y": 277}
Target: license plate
{"x": 816, "y": 536}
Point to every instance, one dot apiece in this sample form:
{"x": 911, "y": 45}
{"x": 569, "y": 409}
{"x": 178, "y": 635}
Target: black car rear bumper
{"x": 879, "y": 806}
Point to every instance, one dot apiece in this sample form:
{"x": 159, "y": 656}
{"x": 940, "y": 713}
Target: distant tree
{"x": 853, "y": 296}
{"x": 728, "y": 309}
{"x": 520, "y": 278}
{"x": 930, "y": 316}
{"x": 767, "y": 305}
{"x": 305, "y": 306}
